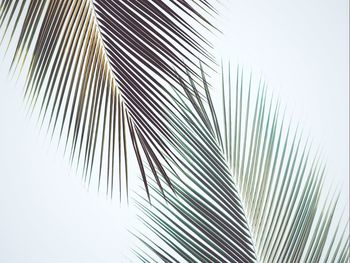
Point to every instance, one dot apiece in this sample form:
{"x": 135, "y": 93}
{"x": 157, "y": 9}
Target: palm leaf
{"x": 272, "y": 172}
{"x": 63, "y": 73}
{"x": 97, "y": 71}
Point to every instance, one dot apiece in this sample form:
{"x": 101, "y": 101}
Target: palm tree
{"x": 101, "y": 72}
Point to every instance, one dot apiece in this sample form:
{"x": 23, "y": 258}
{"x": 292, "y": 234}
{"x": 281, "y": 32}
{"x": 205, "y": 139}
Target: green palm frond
{"x": 97, "y": 71}
{"x": 272, "y": 173}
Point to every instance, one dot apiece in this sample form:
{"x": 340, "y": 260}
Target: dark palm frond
{"x": 274, "y": 175}
{"x": 97, "y": 71}
{"x": 140, "y": 67}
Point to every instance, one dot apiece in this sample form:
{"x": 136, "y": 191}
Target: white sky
{"x": 299, "y": 47}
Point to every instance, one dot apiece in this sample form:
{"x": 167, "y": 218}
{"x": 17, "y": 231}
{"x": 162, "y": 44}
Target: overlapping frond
{"x": 97, "y": 71}
{"x": 277, "y": 179}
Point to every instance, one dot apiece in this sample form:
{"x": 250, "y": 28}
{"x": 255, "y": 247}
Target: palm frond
{"x": 97, "y": 71}
{"x": 273, "y": 174}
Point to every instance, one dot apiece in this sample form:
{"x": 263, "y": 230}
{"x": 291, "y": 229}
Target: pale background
{"x": 299, "y": 47}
